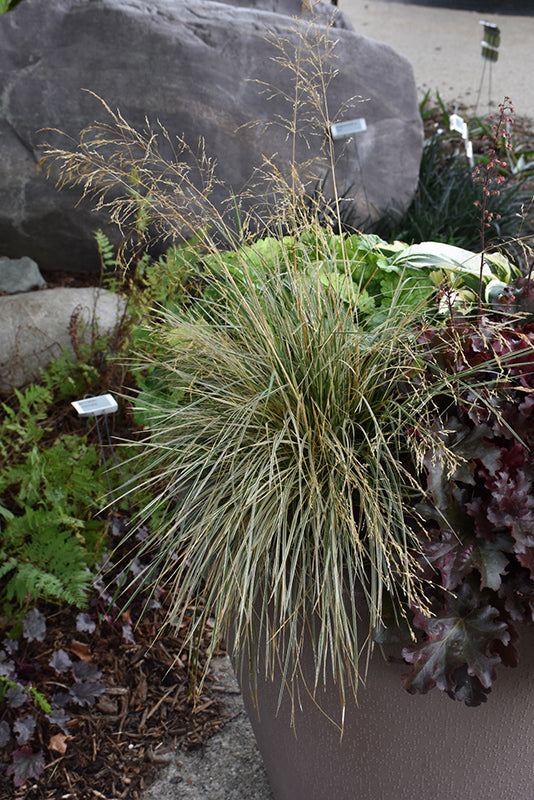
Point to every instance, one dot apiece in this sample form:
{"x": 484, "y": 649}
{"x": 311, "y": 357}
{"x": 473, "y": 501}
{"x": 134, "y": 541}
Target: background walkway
{"x": 444, "y": 48}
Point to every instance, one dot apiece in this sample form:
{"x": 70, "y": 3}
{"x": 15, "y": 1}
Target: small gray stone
{"x": 20, "y": 275}
{"x": 34, "y": 327}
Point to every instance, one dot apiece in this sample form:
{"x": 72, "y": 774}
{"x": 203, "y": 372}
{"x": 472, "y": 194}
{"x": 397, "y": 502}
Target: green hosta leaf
{"x": 501, "y": 267}
{"x": 458, "y": 268}
{"x": 462, "y": 640}
{"x": 438, "y": 255}
{"x": 494, "y": 289}
{"x": 346, "y": 288}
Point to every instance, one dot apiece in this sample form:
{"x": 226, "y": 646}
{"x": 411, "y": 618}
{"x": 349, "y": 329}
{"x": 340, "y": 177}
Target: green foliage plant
{"x": 449, "y": 188}
{"x": 53, "y": 536}
{"x": 370, "y": 274}
{"x": 49, "y": 538}
{"x": 295, "y": 398}
{"x": 7, "y": 5}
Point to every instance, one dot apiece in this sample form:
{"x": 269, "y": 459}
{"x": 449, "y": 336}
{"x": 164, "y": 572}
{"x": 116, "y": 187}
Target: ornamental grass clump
{"x": 288, "y": 466}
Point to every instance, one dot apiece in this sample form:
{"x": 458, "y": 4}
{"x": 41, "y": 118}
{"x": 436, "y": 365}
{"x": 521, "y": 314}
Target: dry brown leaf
{"x": 139, "y": 694}
{"x": 81, "y": 650}
{"x": 58, "y": 742}
{"x": 107, "y": 706}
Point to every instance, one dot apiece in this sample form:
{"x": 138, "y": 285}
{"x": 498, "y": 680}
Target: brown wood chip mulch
{"x": 114, "y": 747}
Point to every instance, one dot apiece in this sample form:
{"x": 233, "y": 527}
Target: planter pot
{"x": 398, "y": 746}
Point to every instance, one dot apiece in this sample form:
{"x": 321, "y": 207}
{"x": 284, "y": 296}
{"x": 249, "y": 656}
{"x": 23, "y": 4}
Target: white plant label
{"x": 95, "y": 406}
{"x": 340, "y": 130}
{"x": 456, "y": 123}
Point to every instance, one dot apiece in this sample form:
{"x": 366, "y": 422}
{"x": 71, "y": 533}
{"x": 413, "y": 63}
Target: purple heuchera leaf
{"x": 84, "y": 623}
{"x": 463, "y": 634}
{"x": 34, "y": 626}
{"x": 118, "y": 526}
{"x": 100, "y": 587}
{"x": 452, "y": 557}
{"x": 127, "y": 633}
{"x": 60, "y": 699}
{"x": 136, "y": 567}
{"x": 23, "y": 728}
{"x": 466, "y": 688}
{"x": 5, "y": 733}
{"x": 490, "y": 559}
{"x": 11, "y": 645}
{"x": 456, "y": 557}
{"x": 484, "y": 546}
{"x": 58, "y": 717}
{"x": 16, "y": 696}
{"x": 26, "y": 764}
{"x": 526, "y": 559}
{"x": 7, "y": 668}
{"x": 84, "y": 693}
{"x": 511, "y": 501}
{"x": 84, "y": 671}
{"x": 141, "y": 533}
{"x": 517, "y": 591}
{"x": 60, "y": 661}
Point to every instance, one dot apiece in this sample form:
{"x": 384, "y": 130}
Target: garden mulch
{"x": 114, "y": 748}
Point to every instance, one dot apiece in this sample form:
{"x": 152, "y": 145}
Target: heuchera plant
{"x": 25, "y": 710}
{"x": 480, "y": 545}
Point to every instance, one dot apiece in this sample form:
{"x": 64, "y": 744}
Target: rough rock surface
{"x": 35, "y": 326}
{"x": 193, "y": 65}
{"x": 20, "y": 275}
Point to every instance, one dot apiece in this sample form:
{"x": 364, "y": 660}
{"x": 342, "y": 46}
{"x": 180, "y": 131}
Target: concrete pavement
{"x": 444, "y": 48}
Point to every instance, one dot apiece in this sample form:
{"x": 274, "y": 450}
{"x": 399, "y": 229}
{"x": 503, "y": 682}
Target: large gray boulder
{"x": 194, "y": 66}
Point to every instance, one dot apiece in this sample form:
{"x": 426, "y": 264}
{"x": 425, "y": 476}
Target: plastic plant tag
{"x": 95, "y": 406}
{"x": 340, "y": 130}
{"x": 491, "y": 41}
{"x": 469, "y": 153}
{"x": 456, "y": 123}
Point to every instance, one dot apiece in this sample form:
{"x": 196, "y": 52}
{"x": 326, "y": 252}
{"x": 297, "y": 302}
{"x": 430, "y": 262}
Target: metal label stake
{"x": 490, "y": 54}
{"x": 101, "y": 406}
